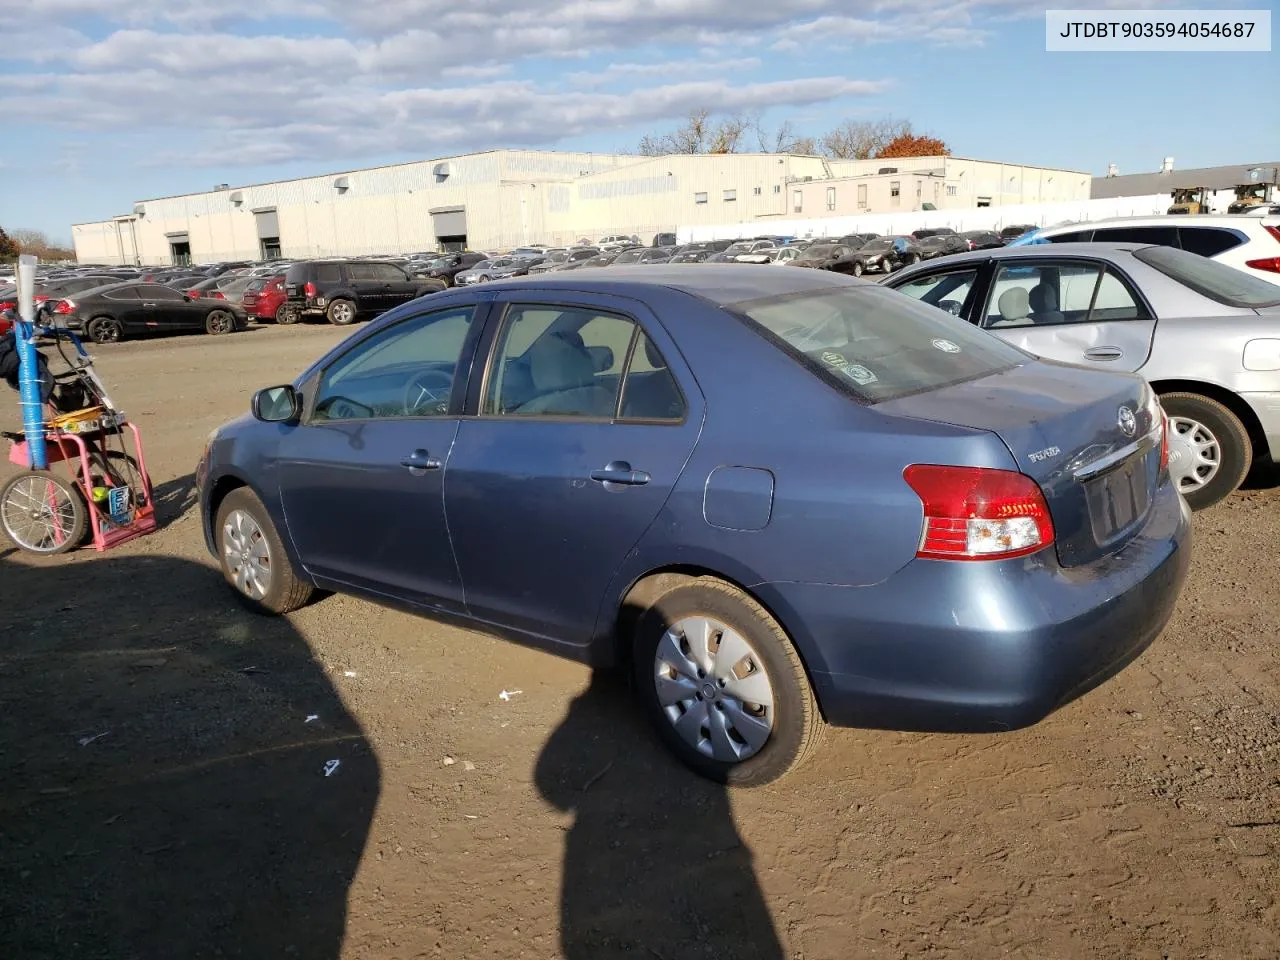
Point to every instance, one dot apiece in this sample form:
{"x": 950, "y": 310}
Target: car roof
{"x": 721, "y": 284}
{"x": 1158, "y": 220}
{"x": 1036, "y": 250}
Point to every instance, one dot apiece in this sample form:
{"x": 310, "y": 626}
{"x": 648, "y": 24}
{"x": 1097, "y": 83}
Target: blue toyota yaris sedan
{"x": 785, "y": 498}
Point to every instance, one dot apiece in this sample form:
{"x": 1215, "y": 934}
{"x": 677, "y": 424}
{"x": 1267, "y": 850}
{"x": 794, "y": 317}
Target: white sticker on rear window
{"x": 946, "y": 346}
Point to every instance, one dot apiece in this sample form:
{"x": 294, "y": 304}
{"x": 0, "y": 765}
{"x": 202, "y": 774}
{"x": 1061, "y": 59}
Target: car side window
{"x": 389, "y": 272}
{"x": 650, "y": 391}
{"x": 947, "y": 291}
{"x": 405, "y": 370}
{"x": 362, "y": 271}
{"x": 328, "y": 273}
{"x": 156, "y": 291}
{"x": 1158, "y": 236}
{"x": 1041, "y": 294}
{"x": 1113, "y": 300}
{"x": 1075, "y": 236}
{"x": 558, "y": 361}
{"x": 1208, "y": 241}
{"x": 128, "y": 293}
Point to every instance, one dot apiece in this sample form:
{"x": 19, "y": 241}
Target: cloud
{"x": 673, "y": 69}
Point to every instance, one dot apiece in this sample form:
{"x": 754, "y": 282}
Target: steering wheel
{"x": 952, "y": 307}
{"x": 428, "y": 392}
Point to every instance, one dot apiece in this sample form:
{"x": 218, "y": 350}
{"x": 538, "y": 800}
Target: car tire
{"x": 286, "y": 314}
{"x": 220, "y": 322}
{"x": 913, "y": 259}
{"x": 104, "y": 330}
{"x": 857, "y": 269}
{"x": 795, "y": 725}
{"x": 242, "y": 532}
{"x": 341, "y": 312}
{"x": 1209, "y": 428}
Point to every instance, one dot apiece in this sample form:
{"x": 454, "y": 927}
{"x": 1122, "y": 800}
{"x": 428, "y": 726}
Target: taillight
{"x": 1270, "y": 264}
{"x": 65, "y": 307}
{"x": 193, "y": 294}
{"x": 1164, "y": 442}
{"x": 977, "y": 513}
{"x": 309, "y": 289}
{"x": 1274, "y": 231}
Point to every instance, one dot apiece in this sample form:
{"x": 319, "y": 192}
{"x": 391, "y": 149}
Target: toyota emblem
{"x": 1127, "y": 422}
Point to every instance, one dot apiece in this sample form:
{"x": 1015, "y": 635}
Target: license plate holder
{"x": 1118, "y": 499}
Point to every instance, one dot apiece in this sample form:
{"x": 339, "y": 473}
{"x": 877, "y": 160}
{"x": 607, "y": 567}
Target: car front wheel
{"x": 253, "y": 558}
{"x": 1209, "y": 449}
{"x": 723, "y": 684}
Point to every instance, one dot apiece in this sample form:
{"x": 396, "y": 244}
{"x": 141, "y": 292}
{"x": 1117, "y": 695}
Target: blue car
{"x": 783, "y": 499}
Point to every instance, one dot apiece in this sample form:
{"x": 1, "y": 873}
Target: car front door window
{"x": 947, "y": 291}
{"x": 406, "y": 370}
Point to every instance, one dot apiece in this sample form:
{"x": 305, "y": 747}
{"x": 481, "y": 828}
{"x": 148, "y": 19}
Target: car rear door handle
{"x": 1103, "y": 353}
{"x": 419, "y": 462}
{"x": 619, "y": 472}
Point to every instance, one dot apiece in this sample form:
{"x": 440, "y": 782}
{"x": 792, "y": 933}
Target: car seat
{"x": 1014, "y": 307}
{"x": 564, "y": 376}
{"x": 1043, "y": 300}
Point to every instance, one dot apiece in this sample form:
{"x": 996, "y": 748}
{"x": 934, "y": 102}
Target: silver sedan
{"x": 1205, "y": 335}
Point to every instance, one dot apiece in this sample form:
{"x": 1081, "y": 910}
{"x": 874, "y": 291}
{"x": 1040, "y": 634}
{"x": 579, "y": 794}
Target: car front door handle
{"x": 1103, "y": 353}
{"x": 619, "y": 472}
{"x": 419, "y": 462}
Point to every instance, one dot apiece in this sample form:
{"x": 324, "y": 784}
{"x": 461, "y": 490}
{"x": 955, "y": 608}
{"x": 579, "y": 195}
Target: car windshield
{"x": 738, "y": 248}
{"x": 483, "y": 264}
{"x": 1217, "y": 281}
{"x": 629, "y": 256}
{"x": 879, "y": 243}
{"x": 818, "y": 252}
{"x": 876, "y": 344}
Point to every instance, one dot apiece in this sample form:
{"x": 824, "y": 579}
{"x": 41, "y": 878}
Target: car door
{"x": 586, "y": 417}
{"x": 1077, "y": 311}
{"x": 368, "y": 285}
{"x": 399, "y": 288}
{"x": 362, "y": 475}
{"x": 125, "y": 304}
{"x": 165, "y": 310}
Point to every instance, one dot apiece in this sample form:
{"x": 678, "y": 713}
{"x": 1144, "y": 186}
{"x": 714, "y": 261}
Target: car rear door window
{"x": 554, "y": 361}
{"x": 1047, "y": 292}
{"x": 405, "y": 370}
{"x": 328, "y": 273}
{"x": 650, "y": 391}
{"x": 1075, "y": 236}
{"x": 363, "y": 271}
{"x": 1159, "y": 236}
{"x": 124, "y": 293}
{"x": 1208, "y": 241}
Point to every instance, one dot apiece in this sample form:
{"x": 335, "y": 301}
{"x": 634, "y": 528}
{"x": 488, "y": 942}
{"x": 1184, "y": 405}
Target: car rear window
{"x": 1209, "y": 241}
{"x": 1212, "y": 279}
{"x": 876, "y": 344}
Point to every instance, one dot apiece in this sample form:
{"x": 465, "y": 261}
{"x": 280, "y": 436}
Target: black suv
{"x": 344, "y": 290}
{"x": 452, "y": 264}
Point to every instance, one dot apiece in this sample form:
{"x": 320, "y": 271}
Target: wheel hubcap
{"x": 246, "y": 554}
{"x": 1195, "y": 455}
{"x": 713, "y": 688}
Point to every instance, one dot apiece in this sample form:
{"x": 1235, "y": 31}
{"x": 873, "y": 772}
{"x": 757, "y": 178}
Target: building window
{"x": 895, "y": 188}
{"x": 777, "y": 188}
{"x": 757, "y": 191}
{"x": 951, "y": 189}
{"x": 831, "y": 198}
{"x": 984, "y": 201}
{"x": 919, "y": 187}
{"x": 699, "y": 198}
{"x": 729, "y": 196}
{"x": 862, "y": 195}
{"x": 797, "y": 200}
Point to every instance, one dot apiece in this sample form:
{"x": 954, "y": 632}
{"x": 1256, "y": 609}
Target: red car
{"x": 266, "y": 302}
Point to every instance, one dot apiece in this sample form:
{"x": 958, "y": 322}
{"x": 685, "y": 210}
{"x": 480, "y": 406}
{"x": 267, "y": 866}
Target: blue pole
{"x": 29, "y": 366}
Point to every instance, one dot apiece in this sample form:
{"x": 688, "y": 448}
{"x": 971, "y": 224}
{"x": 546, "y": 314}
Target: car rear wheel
{"x": 253, "y": 558}
{"x": 341, "y": 312}
{"x": 1209, "y": 449}
{"x": 104, "y": 330}
{"x": 219, "y": 322}
{"x": 724, "y": 685}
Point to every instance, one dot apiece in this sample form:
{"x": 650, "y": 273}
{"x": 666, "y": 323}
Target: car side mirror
{"x": 276, "y": 404}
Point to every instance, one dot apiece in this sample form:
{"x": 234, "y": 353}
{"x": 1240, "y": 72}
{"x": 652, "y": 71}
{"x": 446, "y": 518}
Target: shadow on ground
{"x": 164, "y": 795}
{"x": 653, "y": 865}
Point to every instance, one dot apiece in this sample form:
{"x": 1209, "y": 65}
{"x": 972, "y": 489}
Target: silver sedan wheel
{"x": 1194, "y": 454}
{"x": 246, "y": 554}
{"x": 714, "y": 689}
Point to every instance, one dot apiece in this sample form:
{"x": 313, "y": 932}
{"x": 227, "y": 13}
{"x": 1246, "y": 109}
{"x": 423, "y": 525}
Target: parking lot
{"x": 164, "y": 758}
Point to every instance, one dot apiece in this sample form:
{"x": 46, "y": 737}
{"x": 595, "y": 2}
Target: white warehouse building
{"x": 505, "y": 198}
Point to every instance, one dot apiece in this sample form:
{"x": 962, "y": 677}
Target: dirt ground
{"x": 163, "y": 790}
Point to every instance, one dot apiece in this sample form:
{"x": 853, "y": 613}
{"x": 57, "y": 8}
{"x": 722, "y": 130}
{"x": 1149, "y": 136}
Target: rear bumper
{"x": 1266, "y": 406}
{"x": 974, "y": 647}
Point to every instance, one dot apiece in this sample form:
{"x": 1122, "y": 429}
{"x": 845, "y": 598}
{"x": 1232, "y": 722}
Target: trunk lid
{"x": 1067, "y": 429}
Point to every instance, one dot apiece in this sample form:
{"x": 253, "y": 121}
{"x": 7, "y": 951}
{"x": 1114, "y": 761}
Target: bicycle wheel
{"x": 43, "y": 513}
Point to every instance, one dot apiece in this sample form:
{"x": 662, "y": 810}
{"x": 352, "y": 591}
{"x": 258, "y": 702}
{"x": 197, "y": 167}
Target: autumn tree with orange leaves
{"x": 908, "y": 144}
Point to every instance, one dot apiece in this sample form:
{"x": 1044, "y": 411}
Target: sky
{"x": 104, "y": 102}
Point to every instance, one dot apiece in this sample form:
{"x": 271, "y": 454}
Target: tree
{"x": 862, "y": 139}
{"x": 37, "y": 243}
{"x": 9, "y": 248}
{"x": 913, "y": 145}
{"x": 700, "y": 133}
